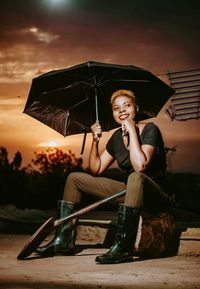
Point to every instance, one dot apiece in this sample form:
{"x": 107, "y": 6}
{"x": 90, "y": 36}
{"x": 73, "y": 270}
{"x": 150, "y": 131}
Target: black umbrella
{"x": 70, "y": 100}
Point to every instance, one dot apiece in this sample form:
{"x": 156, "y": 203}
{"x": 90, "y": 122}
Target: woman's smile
{"x": 123, "y": 116}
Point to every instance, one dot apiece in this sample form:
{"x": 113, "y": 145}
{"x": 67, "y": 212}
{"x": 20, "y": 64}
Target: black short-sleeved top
{"x": 150, "y": 135}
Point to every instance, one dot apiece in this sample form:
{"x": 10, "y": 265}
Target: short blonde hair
{"x": 121, "y": 92}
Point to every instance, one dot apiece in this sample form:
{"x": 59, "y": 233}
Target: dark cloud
{"x": 158, "y": 35}
{"x": 178, "y": 14}
{"x": 134, "y": 11}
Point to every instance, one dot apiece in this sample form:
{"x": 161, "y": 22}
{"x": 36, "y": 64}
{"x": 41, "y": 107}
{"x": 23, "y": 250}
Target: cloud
{"x": 36, "y": 36}
{"x": 125, "y": 44}
{"x": 40, "y": 35}
{"x": 20, "y": 62}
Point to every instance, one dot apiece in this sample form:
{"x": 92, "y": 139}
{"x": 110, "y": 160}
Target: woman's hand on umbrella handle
{"x": 96, "y": 131}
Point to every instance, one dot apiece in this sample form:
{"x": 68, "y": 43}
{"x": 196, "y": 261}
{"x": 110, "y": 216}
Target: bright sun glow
{"x": 58, "y": 2}
{"x": 52, "y": 144}
{"x": 58, "y": 5}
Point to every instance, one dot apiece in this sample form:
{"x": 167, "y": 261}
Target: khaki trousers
{"x": 142, "y": 191}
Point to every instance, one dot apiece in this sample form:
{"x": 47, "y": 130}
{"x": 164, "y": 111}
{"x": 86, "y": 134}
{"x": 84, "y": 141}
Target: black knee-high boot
{"x": 64, "y": 240}
{"x": 122, "y": 249}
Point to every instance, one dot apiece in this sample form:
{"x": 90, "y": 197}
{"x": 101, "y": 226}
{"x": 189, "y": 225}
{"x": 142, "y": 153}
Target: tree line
{"x": 41, "y": 183}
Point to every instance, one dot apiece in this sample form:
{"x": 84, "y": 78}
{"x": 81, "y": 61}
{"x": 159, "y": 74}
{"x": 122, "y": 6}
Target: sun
{"x": 52, "y": 143}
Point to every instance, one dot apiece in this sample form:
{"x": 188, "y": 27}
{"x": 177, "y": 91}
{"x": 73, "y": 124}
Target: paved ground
{"x": 81, "y": 271}
{"x": 66, "y": 272}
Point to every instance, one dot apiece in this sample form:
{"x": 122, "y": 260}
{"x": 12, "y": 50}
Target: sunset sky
{"x": 37, "y": 36}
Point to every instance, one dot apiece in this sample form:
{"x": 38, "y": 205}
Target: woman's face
{"x": 123, "y": 107}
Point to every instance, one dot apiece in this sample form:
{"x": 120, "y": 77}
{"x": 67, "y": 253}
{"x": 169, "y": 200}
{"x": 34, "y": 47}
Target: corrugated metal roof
{"x": 185, "y": 103}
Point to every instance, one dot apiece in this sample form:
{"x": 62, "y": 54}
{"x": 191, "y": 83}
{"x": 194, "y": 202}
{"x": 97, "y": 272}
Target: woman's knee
{"x": 136, "y": 177}
{"x": 74, "y": 177}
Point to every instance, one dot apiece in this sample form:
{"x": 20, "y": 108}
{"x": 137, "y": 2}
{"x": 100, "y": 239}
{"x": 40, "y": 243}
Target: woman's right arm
{"x": 98, "y": 163}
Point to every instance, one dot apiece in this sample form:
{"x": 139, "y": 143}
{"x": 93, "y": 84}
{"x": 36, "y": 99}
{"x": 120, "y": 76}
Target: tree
{"x": 12, "y": 177}
{"x": 55, "y": 161}
{"x": 4, "y": 162}
{"x": 48, "y": 175}
{"x": 17, "y": 161}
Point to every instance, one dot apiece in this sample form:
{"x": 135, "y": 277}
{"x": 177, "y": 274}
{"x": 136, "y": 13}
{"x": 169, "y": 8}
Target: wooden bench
{"x": 156, "y": 233}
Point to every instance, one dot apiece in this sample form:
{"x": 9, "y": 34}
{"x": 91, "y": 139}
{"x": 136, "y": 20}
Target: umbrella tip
{"x": 89, "y": 62}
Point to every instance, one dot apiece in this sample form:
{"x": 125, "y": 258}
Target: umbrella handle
{"x": 96, "y": 104}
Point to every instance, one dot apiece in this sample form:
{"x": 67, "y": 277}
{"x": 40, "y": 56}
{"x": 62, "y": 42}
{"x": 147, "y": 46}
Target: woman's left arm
{"x": 140, "y": 155}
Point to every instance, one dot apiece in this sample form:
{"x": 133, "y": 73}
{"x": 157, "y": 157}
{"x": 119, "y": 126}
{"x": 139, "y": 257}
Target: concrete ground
{"x": 81, "y": 271}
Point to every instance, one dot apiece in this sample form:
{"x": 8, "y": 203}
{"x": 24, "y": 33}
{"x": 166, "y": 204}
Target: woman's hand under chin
{"x": 128, "y": 125}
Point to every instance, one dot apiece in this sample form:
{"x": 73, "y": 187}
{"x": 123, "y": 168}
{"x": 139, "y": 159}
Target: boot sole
{"x": 123, "y": 260}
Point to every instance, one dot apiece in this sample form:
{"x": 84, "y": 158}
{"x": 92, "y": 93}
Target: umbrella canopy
{"x": 70, "y": 100}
